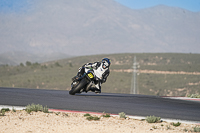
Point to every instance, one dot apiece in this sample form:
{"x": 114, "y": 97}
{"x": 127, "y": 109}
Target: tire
{"x": 78, "y": 87}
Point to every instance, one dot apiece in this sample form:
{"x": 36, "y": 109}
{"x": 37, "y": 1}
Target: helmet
{"x": 105, "y": 63}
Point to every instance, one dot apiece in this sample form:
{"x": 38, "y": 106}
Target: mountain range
{"x": 87, "y": 27}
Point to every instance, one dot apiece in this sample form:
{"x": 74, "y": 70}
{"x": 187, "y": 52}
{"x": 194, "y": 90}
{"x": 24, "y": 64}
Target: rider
{"x": 101, "y": 70}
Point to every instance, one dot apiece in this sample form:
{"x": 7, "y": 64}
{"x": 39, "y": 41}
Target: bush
{"x": 14, "y": 110}
{"x": 152, "y": 119}
{"x": 46, "y": 109}
{"x": 194, "y": 96}
{"x": 21, "y": 64}
{"x": 5, "y": 109}
{"x": 122, "y": 115}
{"x": 196, "y": 129}
{"x": 57, "y": 113}
{"x": 36, "y": 108}
{"x": 106, "y": 115}
{"x": 28, "y": 63}
{"x": 95, "y": 118}
{"x": 176, "y": 124}
{"x": 86, "y": 115}
{"x": 89, "y": 117}
{"x": 2, "y": 113}
{"x": 57, "y": 64}
{"x": 168, "y": 127}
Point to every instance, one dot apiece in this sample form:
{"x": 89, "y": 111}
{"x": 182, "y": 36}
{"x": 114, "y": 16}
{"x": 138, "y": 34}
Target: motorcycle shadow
{"x": 92, "y": 94}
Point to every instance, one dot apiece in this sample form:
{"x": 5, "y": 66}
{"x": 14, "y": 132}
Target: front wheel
{"x": 78, "y": 87}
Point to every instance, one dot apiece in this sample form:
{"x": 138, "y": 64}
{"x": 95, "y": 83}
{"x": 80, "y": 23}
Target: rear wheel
{"x": 78, "y": 87}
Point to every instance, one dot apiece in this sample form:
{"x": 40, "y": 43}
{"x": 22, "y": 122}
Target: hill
{"x": 17, "y": 57}
{"x": 88, "y": 27}
{"x": 163, "y": 74}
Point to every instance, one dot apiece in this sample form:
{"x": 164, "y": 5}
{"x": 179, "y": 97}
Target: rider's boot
{"x": 96, "y": 90}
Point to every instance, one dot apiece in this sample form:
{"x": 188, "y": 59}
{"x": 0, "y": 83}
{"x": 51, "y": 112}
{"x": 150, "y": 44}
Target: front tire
{"x": 78, "y": 87}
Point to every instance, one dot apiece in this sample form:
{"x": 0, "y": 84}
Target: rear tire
{"x": 78, "y": 87}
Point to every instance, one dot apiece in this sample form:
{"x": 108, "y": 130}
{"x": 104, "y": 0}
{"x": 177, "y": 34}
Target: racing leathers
{"x": 100, "y": 72}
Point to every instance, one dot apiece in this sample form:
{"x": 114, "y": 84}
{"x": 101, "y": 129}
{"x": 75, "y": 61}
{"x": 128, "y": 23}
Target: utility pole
{"x": 134, "y": 77}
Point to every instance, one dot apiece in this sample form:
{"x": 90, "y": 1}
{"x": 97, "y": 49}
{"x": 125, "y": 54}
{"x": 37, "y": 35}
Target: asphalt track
{"x": 136, "y": 105}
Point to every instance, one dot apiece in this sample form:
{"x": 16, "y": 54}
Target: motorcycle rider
{"x": 101, "y": 70}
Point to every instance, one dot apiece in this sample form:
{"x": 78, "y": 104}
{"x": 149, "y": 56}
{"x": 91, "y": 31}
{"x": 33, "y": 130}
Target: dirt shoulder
{"x": 22, "y": 122}
{"x": 157, "y": 72}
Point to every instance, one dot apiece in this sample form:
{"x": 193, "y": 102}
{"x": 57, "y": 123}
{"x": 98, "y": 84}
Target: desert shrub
{"x": 2, "y": 112}
{"x": 168, "y": 127}
{"x": 86, "y": 115}
{"x": 194, "y": 96}
{"x": 89, "y": 117}
{"x": 65, "y": 114}
{"x": 122, "y": 115}
{"x": 13, "y": 109}
{"x": 95, "y": 118}
{"x": 43, "y": 67}
{"x": 57, "y": 113}
{"x": 196, "y": 129}
{"x": 176, "y": 124}
{"x": 21, "y": 64}
{"x": 46, "y": 109}
{"x": 57, "y": 64}
{"x": 106, "y": 115}
{"x": 33, "y": 107}
{"x": 152, "y": 119}
{"x": 5, "y": 109}
{"x": 154, "y": 127}
{"x": 185, "y": 130}
{"x": 28, "y": 63}
{"x": 36, "y": 108}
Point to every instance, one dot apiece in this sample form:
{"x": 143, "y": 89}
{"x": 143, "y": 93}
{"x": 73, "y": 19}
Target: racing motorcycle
{"x": 84, "y": 83}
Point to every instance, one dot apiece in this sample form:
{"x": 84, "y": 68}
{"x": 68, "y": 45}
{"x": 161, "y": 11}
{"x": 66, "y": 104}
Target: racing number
{"x": 90, "y": 75}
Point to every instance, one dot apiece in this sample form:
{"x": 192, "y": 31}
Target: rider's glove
{"x": 93, "y": 65}
{"x": 90, "y": 65}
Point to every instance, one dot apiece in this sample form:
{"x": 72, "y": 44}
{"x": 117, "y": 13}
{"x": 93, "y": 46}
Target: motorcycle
{"x": 84, "y": 83}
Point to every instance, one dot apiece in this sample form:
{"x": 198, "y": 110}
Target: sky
{"x": 14, "y": 5}
{"x": 191, "y": 5}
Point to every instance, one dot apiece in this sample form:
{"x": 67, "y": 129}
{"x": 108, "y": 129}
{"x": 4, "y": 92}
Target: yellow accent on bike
{"x": 90, "y": 75}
